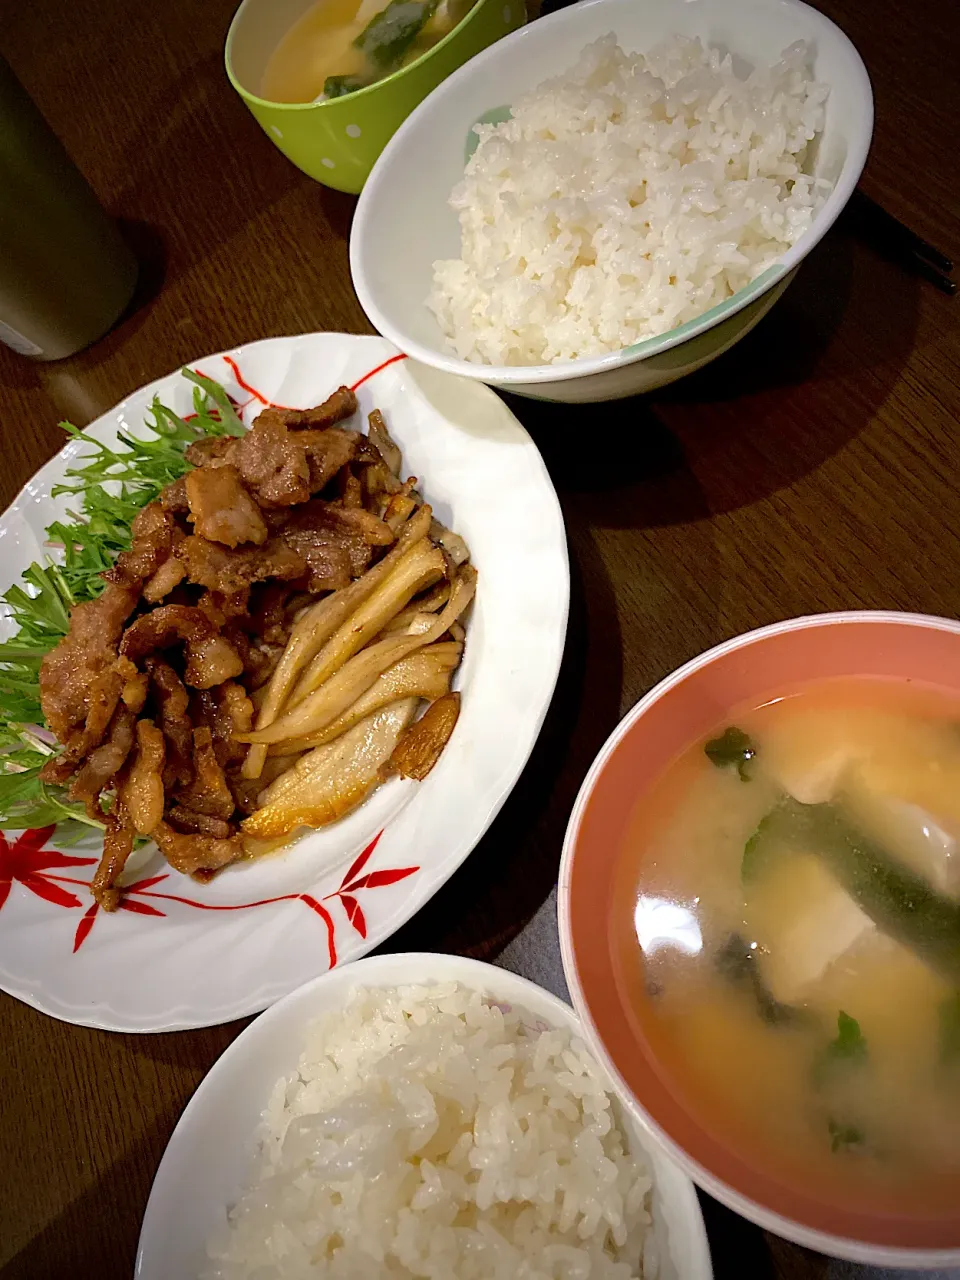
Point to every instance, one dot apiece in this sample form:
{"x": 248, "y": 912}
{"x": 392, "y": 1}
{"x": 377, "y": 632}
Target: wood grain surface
{"x": 815, "y": 467}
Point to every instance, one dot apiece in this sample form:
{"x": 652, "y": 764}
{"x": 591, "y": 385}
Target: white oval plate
{"x": 184, "y": 955}
{"x": 213, "y": 1147}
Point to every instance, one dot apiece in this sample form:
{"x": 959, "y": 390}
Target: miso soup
{"x": 339, "y": 46}
{"x": 788, "y": 933}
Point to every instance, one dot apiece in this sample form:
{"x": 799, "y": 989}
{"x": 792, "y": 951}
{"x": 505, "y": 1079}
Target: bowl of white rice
{"x": 614, "y": 195}
{"x": 421, "y": 1116}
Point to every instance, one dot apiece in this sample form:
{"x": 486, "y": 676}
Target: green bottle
{"x": 65, "y": 273}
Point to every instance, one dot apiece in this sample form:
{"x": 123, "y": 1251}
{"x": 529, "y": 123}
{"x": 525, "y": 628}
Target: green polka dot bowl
{"x": 338, "y": 141}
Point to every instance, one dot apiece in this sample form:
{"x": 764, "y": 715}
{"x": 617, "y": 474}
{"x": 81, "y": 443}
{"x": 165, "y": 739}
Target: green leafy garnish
{"x": 848, "y": 1047}
{"x": 733, "y": 749}
{"x": 111, "y": 484}
{"x": 736, "y": 961}
{"x": 339, "y": 86}
{"x": 896, "y": 899}
{"x": 388, "y": 35}
{"x": 850, "y": 1042}
{"x": 843, "y": 1136}
{"x": 950, "y": 1030}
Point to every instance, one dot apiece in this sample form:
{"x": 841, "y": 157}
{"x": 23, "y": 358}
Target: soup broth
{"x": 339, "y": 46}
{"x": 788, "y": 937}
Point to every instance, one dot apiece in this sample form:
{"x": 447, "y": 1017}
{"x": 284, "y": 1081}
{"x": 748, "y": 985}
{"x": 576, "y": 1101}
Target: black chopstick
{"x": 891, "y": 237}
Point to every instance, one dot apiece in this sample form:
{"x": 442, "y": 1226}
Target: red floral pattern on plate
{"x": 28, "y": 863}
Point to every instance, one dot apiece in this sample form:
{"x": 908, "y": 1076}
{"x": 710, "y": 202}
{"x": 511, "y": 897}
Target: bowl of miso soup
{"x": 331, "y": 81}
{"x": 760, "y": 921}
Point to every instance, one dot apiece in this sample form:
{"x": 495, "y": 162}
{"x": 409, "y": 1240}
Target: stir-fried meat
{"x": 169, "y": 575}
{"x": 142, "y": 792}
{"x": 135, "y": 685}
{"x": 212, "y": 451}
{"x": 188, "y": 821}
{"x": 327, "y": 453}
{"x": 106, "y": 760}
{"x": 349, "y": 489}
{"x": 226, "y": 711}
{"x": 210, "y": 661}
{"x": 273, "y": 463}
{"x": 281, "y": 467}
{"x": 221, "y": 509}
{"x": 117, "y": 847}
{"x": 220, "y": 569}
{"x": 259, "y": 658}
{"x": 220, "y": 607}
{"x": 154, "y": 689}
{"x": 172, "y": 701}
{"x": 210, "y": 658}
{"x": 269, "y": 618}
{"x": 77, "y": 682}
{"x": 336, "y": 542}
{"x": 208, "y": 792}
{"x": 155, "y": 534}
{"x": 174, "y": 497}
{"x": 336, "y": 408}
{"x": 194, "y": 854}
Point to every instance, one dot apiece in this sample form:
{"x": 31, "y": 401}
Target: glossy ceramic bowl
{"x": 683, "y": 708}
{"x": 338, "y": 141}
{"x": 405, "y": 201}
{"x": 212, "y": 1147}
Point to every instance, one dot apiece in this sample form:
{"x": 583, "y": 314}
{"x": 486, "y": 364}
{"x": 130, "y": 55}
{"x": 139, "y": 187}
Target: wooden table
{"x": 816, "y": 467}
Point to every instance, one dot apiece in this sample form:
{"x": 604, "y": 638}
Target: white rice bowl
{"x": 429, "y": 1133}
{"x": 626, "y": 197}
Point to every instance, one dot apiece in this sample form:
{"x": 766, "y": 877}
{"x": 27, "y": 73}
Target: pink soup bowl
{"x": 681, "y": 709}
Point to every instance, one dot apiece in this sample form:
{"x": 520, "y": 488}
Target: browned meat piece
{"x": 220, "y": 569}
{"x": 220, "y": 608}
{"x": 272, "y": 462}
{"x": 105, "y": 761}
{"x": 422, "y": 742}
{"x": 211, "y": 451}
{"x": 154, "y": 535}
{"x": 327, "y": 453}
{"x": 171, "y": 701}
{"x": 336, "y": 542}
{"x": 259, "y": 659}
{"x": 141, "y": 792}
{"x": 336, "y": 408}
{"x": 269, "y": 618}
{"x": 195, "y": 854}
{"x": 174, "y": 497}
{"x": 221, "y": 509}
{"x": 117, "y": 848}
{"x": 190, "y": 822}
{"x": 349, "y": 489}
{"x": 74, "y": 684}
{"x": 261, "y": 662}
{"x": 170, "y": 574}
{"x": 208, "y": 792}
{"x": 210, "y": 658}
{"x": 226, "y": 711}
{"x": 210, "y": 661}
{"x": 135, "y": 685}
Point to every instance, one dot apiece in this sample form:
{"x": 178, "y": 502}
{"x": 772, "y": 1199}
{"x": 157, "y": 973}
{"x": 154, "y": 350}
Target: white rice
{"x": 625, "y": 197}
{"x": 428, "y": 1133}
